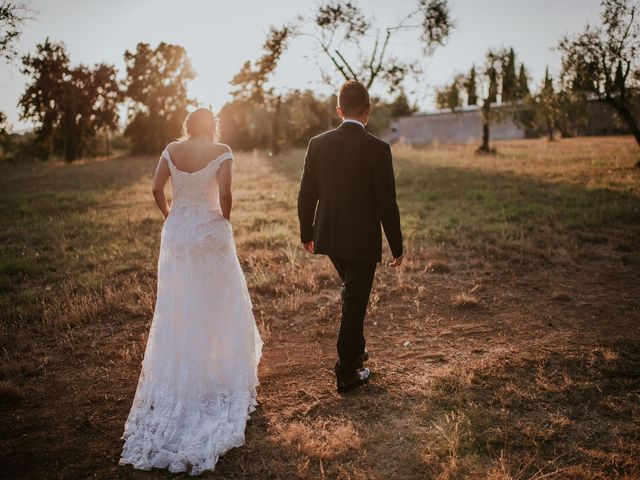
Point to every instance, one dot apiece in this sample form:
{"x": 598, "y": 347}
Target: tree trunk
{"x": 627, "y": 116}
{"x": 108, "y": 145}
{"x": 485, "y": 136}
{"x": 484, "y": 148}
{"x": 550, "y": 130}
{"x": 486, "y": 125}
{"x": 275, "y": 139}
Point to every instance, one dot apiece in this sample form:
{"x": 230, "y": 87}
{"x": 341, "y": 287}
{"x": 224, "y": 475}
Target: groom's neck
{"x": 361, "y": 120}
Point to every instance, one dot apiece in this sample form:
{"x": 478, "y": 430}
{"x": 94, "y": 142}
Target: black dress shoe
{"x": 360, "y": 377}
{"x": 363, "y": 358}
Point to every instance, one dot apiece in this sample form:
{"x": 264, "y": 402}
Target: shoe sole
{"x": 353, "y": 386}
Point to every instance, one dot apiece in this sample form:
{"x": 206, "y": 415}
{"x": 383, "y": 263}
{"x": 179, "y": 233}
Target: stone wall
{"x": 464, "y": 126}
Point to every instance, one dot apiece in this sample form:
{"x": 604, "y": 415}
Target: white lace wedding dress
{"x": 199, "y": 374}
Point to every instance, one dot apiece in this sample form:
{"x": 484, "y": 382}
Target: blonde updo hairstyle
{"x": 201, "y": 122}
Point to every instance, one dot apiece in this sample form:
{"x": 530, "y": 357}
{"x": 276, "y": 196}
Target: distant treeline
{"x": 75, "y": 107}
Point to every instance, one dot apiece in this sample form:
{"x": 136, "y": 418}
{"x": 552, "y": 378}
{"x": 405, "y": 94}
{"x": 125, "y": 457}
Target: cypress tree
{"x": 509, "y": 81}
{"x": 472, "y": 94}
{"x": 492, "y": 95}
{"x": 547, "y": 104}
{"x": 523, "y": 83}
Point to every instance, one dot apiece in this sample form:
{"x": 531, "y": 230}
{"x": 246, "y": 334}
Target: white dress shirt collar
{"x": 351, "y": 120}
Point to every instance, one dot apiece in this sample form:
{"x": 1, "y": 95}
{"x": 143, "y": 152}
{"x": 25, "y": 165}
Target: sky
{"x": 220, "y": 35}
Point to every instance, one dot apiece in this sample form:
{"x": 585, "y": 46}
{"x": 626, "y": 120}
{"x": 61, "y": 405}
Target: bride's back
{"x": 192, "y": 155}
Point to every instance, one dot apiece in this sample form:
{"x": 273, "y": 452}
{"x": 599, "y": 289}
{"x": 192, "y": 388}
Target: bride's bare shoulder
{"x": 176, "y": 145}
{"x": 219, "y": 148}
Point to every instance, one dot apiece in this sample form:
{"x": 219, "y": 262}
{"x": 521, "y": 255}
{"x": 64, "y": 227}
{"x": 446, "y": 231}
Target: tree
{"x": 495, "y": 61}
{"x": 572, "y": 109}
{"x": 400, "y": 107}
{"x": 156, "y": 86}
{"x": 471, "y": 87}
{"x": 540, "y": 112}
{"x": 448, "y": 97}
{"x": 604, "y": 60}
{"x": 548, "y": 104}
{"x": 340, "y": 27}
{"x": 4, "y": 136}
{"x": 250, "y": 82}
{"x": 523, "y": 83}
{"x": 106, "y": 87}
{"x": 68, "y": 104}
{"x": 252, "y": 94}
{"x": 246, "y": 125}
{"x": 13, "y": 15}
{"x": 510, "y": 90}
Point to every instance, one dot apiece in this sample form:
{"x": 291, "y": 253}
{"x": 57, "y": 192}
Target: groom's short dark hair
{"x": 353, "y": 98}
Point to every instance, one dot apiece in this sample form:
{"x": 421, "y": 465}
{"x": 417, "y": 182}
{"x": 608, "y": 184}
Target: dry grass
{"x": 320, "y": 439}
{"x": 539, "y": 383}
{"x": 466, "y": 300}
{"x": 437, "y": 266}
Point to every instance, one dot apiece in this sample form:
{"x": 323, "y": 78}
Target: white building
{"x": 461, "y": 126}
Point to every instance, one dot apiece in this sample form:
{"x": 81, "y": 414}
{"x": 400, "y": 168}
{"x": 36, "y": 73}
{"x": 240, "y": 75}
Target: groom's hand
{"x": 308, "y": 246}
{"x": 397, "y": 261}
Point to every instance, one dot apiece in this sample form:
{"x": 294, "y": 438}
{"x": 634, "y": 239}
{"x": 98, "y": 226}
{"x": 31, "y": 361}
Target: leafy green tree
{"x": 571, "y": 108}
{"x": 380, "y": 118}
{"x": 68, "y": 104}
{"x": 605, "y": 60}
{"x": 246, "y": 125}
{"x": 156, "y": 86}
{"x": 400, "y": 106}
{"x": 448, "y": 97}
{"x": 539, "y": 112}
{"x": 305, "y": 115}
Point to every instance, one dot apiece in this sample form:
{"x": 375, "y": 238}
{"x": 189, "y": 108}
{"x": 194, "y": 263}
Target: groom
{"x": 347, "y": 190}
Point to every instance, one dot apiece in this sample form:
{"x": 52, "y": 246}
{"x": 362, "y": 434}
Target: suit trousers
{"x": 357, "y": 280}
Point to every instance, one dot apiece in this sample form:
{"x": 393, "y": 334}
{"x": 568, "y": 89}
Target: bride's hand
{"x": 308, "y": 246}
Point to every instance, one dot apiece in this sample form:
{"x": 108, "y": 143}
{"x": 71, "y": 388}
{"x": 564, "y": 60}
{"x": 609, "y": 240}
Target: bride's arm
{"x": 159, "y": 181}
{"x": 224, "y": 182}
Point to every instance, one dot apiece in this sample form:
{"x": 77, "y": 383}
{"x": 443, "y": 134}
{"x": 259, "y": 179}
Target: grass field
{"x": 507, "y": 347}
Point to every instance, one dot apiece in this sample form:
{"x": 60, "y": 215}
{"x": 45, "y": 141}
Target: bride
{"x": 199, "y": 373}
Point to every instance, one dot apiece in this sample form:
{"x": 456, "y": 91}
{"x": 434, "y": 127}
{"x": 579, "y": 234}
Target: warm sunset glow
{"x": 220, "y": 35}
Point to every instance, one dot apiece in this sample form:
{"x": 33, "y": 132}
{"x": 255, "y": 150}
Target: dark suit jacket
{"x": 348, "y": 176}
